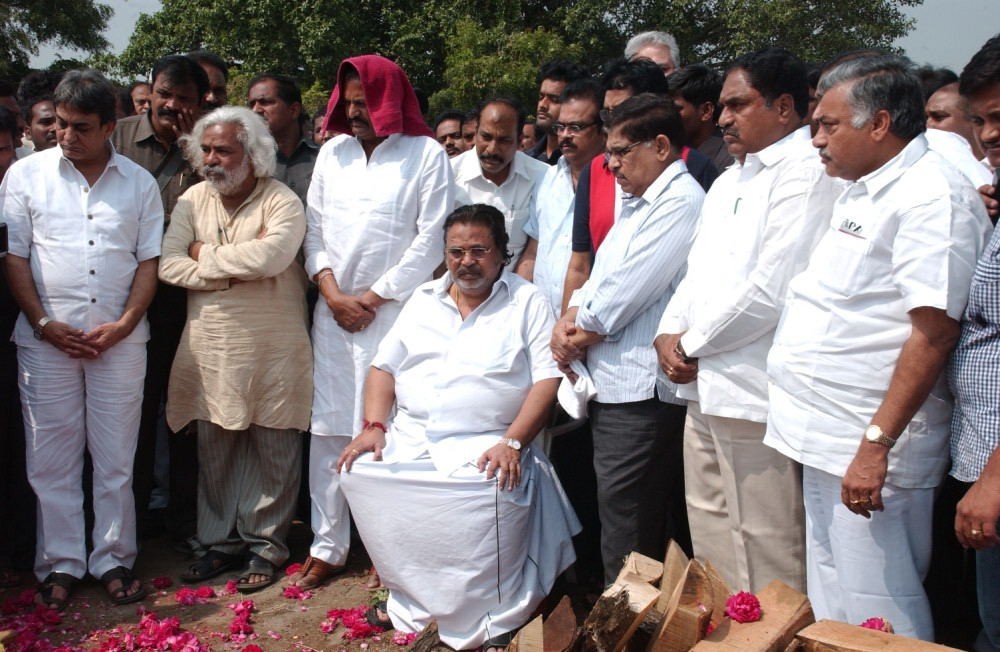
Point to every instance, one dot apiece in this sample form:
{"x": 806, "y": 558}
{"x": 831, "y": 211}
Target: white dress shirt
{"x": 461, "y": 383}
{"x": 551, "y": 223}
{"x": 902, "y": 237}
{"x": 636, "y": 270}
{"x": 84, "y": 243}
{"x": 377, "y": 224}
{"x": 760, "y": 221}
{"x": 956, "y": 150}
{"x": 512, "y": 197}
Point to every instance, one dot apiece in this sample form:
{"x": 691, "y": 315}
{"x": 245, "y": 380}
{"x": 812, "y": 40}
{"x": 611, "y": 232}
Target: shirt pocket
{"x": 845, "y": 262}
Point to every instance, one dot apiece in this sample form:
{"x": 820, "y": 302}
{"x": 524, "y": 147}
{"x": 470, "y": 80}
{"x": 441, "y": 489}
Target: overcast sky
{"x": 947, "y": 32}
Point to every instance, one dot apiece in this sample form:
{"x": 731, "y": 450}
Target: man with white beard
{"x": 243, "y": 367}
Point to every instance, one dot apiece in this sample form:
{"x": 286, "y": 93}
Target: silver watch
{"x": 512, "y": 443}
{"x": 39, "y": 328}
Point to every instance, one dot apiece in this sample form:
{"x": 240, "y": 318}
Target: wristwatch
{"x": 512, "y": 443}
{"x": 875, "y": 435}
{"x": 39, "y": 328}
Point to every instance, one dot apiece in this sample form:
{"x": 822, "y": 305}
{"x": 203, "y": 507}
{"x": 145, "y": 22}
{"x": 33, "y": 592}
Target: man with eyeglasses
{"x": 611, "y": 320}
{"x": 598, "y": 198}
{"x": 552, "y": 80}
{"x": 550, "y": 224}
{"x": 760, "y": 221}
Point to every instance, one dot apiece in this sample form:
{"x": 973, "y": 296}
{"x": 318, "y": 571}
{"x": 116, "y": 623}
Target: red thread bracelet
{"x": 375, "y": 424}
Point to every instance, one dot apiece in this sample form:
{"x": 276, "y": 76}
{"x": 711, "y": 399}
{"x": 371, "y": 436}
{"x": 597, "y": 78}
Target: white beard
{"x": 226, "y": 182}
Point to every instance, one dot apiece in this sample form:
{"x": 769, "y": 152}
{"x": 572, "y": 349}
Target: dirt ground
{"x": 279, "y": 622}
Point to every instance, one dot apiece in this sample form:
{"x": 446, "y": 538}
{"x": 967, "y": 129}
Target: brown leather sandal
{"x": 314, "y": 572}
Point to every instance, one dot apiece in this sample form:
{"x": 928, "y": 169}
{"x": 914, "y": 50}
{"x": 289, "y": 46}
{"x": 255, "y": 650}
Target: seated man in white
{"x": 461, "y": 514}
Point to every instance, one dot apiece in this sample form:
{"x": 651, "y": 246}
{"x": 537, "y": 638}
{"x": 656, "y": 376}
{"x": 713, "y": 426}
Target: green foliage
{"x": 24, "y": 24}
{"x": 458, "y": 52}
{"x": 496, "y": 61}
{"x": 718, "y": 31}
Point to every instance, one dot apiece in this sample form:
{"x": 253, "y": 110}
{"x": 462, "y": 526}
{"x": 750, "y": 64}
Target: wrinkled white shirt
{"x": 956, "y": 150}
{"x": 461, "y": 383}
{"x": 902, "y": 237}
{"x": 83, "y": 243}
{"x": 512, "y": 197}
{"x": 760, "y": 222}
{"x": 636, "y": 270}
{"x": 377, "y": 225}
{"x": 551, "y": 223}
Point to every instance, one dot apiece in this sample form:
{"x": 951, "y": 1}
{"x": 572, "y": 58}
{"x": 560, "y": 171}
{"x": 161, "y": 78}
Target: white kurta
{"x": 377, "y": 224}
{"x": 448, "y": 543}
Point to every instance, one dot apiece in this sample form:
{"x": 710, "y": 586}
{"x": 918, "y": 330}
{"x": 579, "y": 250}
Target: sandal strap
{"x": 124, "y": 575}
{"x": 260, "y": 566}
{"x": 57, "y": 578}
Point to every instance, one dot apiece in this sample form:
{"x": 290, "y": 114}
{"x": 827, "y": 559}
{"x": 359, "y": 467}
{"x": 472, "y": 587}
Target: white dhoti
{"x": 458, "y": 550}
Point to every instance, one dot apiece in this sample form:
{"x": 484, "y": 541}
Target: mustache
{"x": 166, "y": 112}
{"x": 491, "y": 157}
{"x": 731, "y": 131}
{"x": 358, "y": 122}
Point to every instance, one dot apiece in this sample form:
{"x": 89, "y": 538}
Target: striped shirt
{"x": 637, "y": 268}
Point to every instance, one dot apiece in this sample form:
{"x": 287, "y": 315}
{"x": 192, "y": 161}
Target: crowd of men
{"x": 775, "y": 295}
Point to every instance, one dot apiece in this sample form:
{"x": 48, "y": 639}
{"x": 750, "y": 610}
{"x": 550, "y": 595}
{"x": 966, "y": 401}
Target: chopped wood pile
{"x": 679, "y": 605}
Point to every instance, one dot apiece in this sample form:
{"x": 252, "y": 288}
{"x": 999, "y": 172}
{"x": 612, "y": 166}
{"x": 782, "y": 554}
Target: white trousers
{"x": 859, "y": 568}
{"x": 744, "y": 502}
{"x": 331, "y": 519}
{"x": 70, "y": 404}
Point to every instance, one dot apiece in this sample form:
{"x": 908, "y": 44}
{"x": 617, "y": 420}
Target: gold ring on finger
{"x": 975, "y": 533}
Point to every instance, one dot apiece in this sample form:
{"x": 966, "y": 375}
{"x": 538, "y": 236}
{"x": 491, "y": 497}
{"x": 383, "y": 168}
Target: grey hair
{"x": 882, "y": 82}
{"x": 643, "y": 39}
{"x": 252, "y": 134}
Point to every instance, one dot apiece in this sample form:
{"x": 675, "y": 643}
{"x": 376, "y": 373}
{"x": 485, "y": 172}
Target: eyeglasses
{"x": 573, "y": 128}
{"x": 458, "y": 253}
{"x": 621, "y": 152}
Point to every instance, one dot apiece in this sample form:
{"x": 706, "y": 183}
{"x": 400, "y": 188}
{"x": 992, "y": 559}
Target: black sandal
{"x": 257, "y": 566}
{"x": 500, "y": 641}
{"x": 212, "y": 564}
{"x": 126, "y": 579}
{"x": 378, "y": 616}
{"x": 53, "y": 580}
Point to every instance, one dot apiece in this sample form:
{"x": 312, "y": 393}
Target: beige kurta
{"x": 245, "y": 355}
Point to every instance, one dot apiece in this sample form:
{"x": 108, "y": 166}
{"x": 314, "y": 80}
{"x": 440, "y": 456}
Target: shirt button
{"x": 93, "y": 300}
{"x": 90, "y": 217}
{"x": 92, "y": 272}
{"x": 86, "y": 190}
{"x": 91, "y": 242}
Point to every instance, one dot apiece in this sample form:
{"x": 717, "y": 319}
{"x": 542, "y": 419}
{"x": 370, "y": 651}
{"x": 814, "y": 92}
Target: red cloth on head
{"x": 392, "y": 104}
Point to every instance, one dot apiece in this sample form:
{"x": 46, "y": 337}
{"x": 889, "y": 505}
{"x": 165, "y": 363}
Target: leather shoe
{"x": 313, "y": 573}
